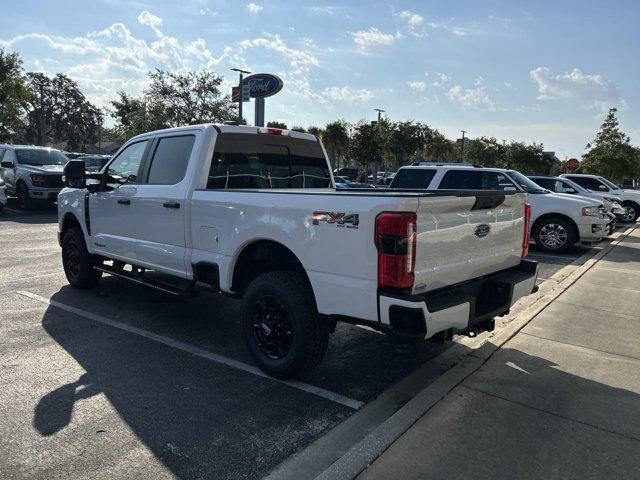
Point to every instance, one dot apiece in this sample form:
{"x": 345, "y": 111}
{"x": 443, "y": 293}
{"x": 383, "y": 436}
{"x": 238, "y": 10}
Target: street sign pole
{"x": 259, "y": 114}
{"x": 240, "y": 100}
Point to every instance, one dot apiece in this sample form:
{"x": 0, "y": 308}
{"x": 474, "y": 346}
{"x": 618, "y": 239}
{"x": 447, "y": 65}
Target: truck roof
{"x": 226, "y": 128}
{"x": 453, "y": 166}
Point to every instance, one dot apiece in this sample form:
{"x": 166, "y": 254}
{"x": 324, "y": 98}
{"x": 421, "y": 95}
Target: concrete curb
{"x": 365, "y": 452}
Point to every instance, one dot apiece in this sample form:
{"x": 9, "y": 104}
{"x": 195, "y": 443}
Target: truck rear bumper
{"x": 465, "y": 307}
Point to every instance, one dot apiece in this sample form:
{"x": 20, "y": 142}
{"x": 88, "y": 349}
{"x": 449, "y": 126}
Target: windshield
{"x": 527, "y": 184}
{"x": 40, "y": 156}
{"x": 609, "y": 184}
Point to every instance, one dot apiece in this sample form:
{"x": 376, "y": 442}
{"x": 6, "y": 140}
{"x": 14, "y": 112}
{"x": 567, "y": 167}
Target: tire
{"x": 77, "y": 261}
{"x": 632, "y": 212}
{"x": 24, "y": 200}
{"x": 282, "y": 304}
{"x": 554, "y": 235}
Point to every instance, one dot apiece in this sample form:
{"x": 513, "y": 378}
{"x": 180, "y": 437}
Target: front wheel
{"x": 77, "y": 261}
{"x": 280, "y": 324}
{"x": 631, "y": 212}
{"x": 554, "y": 235}
{"x": 24, "y": 200}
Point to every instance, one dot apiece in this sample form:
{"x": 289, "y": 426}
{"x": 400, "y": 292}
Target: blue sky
{"x": 542, "y": 71}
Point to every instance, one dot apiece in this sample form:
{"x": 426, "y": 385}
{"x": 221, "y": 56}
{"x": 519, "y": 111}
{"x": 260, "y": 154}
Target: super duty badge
{"x": 350, "y": 220}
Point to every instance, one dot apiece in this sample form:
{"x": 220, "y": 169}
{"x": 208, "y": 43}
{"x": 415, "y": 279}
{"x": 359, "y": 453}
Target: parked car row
{"x": 562, "y": 213}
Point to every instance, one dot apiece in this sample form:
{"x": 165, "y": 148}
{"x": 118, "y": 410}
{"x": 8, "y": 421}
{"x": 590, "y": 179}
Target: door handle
{"x": 124, "y": 202}
{"x": 171, "y": 205}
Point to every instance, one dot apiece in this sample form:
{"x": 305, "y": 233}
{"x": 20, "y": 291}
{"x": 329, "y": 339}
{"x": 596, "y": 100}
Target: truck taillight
{"x": 526, "y": 237}
{"x": 395, "y": 239}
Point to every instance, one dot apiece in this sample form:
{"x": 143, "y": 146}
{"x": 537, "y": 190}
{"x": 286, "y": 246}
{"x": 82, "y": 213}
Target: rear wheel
{"x": 554, "y": 235}
{"x": 631, "y": 212}
{"x": 24, "y": 200}
{"x": 77, "y": 261}
{"x": 280, "y": 324}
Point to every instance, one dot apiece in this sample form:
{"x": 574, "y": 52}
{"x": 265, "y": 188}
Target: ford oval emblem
{"x": 263, "y": 85}
{"x": 481, "y": 230}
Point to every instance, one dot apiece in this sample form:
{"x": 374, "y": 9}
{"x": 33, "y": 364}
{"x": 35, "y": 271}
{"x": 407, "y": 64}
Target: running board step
{"x": 147, "y": 282}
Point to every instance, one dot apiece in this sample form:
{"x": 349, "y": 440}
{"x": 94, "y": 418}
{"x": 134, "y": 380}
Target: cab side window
{"x": 170, "y": 160}
{"x": 547, "y": 183}
{"x": 590, "y": 183}
{"x": 124, "y": 168}
{"x": 562, "y": 187}
{"x": 475, "y": 180}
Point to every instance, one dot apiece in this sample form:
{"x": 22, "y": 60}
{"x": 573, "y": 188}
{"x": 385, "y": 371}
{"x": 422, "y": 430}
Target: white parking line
{"x": 321, "y": 392}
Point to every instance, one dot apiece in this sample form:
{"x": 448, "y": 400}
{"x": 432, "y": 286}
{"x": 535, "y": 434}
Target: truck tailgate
{"x": 460, "y": 238}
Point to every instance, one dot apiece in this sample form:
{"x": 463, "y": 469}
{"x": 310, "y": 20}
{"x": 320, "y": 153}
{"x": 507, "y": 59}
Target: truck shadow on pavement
{"x": 199, "y": 419}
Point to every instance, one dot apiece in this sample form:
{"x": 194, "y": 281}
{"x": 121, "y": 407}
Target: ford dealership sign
{"x": 263, "y": 85}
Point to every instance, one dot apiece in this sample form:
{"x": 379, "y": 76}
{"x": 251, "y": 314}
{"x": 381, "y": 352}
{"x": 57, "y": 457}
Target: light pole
{"x": 462, "y": 146}
{"x": 241, "y": 72}
{"x": 380, "y": 112}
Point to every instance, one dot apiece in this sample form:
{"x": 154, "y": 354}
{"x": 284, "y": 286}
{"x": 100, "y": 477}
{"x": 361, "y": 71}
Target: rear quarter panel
{"x": 341, "y": 261}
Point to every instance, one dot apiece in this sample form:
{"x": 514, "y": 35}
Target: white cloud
{"x": 151, "y": 20}
{"x": 414, "y": 22}
{"x": 471, "y": 98}
{"x": 324, "y": 9}
{"x": 368, "y": 39}
{"x": 443, "y": 76}
{"x": 417, "y": 86}
{"x": 459, "y": 32}
{"x": 590, "y": 91}
{"x": 348, "y": 94}
{"x": 253, "y": 7}
{"x": 411, "y": 18}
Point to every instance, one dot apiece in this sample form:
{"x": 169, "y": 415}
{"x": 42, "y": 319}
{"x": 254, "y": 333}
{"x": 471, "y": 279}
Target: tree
{"x": 172, "y": 100}
{"x": 298, "y": 129}
{"x": 438, "y": 148}
{"x": 404, "y": 140}
{"x": 190, "y": 98}
{"x": 336, "y": 140}
{"x": 365, "y": 147}
{"x": 611, "y": 153}
{"x": 281, "y": 125}
{"x": 14, "y": 92}
{"x": 58, "y": 111}
{"x": 317, "y": 131}
{"x": 486, "y": 151}
{"x": 527, "y": 159}
{"x": 135, "y": 115}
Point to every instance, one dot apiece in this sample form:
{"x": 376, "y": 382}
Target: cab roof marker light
{"x": 273, "y": 131}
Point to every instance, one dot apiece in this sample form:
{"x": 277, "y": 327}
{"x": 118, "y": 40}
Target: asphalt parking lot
{"x": 123, "y": 382}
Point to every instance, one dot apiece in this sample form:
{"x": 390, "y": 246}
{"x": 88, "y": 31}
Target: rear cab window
{"x": 413, "y": 178}
{"x": 470, "y": 179}
{"x": 263, "y": 161}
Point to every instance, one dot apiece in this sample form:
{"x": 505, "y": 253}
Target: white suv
{"x": 558, "y": 221}
{"x": 612, "y": 203}
{"x": 630, "y": 198}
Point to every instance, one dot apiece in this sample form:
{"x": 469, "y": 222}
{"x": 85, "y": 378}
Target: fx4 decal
{"x": 350, "y": 220}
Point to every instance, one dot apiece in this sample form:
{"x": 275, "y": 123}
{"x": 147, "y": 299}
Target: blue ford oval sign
{"x": 263, "y": 85}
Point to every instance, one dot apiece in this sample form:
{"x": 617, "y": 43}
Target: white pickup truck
{"x": 252, "y": 212}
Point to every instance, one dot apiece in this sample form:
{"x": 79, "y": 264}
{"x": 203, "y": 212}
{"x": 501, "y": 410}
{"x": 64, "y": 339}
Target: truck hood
{"x": 51, "y": 169}
{"x": 577, "y": 200}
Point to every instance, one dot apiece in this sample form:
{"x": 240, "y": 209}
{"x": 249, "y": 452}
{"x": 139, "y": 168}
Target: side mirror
{"x": 75, "y": 174}
{"x": 570, "y": 190}
{"x": 6, "y": 164}
{"x": 602, "y": 188}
